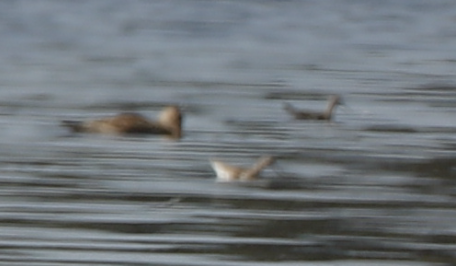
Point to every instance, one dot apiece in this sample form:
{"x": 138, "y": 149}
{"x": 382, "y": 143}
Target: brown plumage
{"x": 169, "y": 123}
{"x": 311, "y": 115}
{"x": 229, "y": 173}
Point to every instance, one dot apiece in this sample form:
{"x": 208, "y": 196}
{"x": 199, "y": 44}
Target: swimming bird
{"x": 169, "y": 123}
{"x": 311, "y": 115}
{"x": 229, "y": 173}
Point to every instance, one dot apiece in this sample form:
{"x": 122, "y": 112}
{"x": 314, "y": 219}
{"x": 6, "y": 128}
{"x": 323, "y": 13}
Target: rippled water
{"x": 375, "y": 187}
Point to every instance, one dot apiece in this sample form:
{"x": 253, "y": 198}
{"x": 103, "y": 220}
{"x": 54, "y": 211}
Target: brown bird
{"x": 169, "y": 123}
{"x": 311, "y": 115}
{"x": 229, "y": 173}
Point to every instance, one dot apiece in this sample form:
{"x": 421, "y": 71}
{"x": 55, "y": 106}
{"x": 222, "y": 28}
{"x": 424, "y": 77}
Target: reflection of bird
{"x": 169, "y": 124}
{"x": 310, "y": 115}
{"x": 228, "y": 173}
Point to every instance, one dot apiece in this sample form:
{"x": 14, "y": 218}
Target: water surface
{"x": 374, "y": 187}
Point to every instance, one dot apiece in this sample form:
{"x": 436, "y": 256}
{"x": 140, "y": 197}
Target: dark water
{"x": 375, "y": 187}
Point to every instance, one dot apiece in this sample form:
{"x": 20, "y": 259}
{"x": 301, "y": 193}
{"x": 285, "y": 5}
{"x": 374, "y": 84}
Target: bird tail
{"x": 75, "y": 126}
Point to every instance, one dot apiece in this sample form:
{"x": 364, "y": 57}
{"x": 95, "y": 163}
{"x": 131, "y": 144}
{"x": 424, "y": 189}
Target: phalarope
{"x": 310, "y": 115}
{"x": 229, "y": 173}
{"x": 169, "y": 123}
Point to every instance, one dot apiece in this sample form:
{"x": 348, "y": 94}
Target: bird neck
{"x": 257, "y": 167}
{"x": 328, "y": 112}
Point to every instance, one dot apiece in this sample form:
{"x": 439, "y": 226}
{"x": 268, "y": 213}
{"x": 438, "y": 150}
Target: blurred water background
{"x": 375, "y": 187}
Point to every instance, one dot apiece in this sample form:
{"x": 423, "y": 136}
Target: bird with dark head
{"x": 312, "y": 115}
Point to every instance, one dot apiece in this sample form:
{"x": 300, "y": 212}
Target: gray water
{"x": 375, "y": 187}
